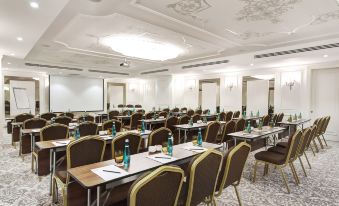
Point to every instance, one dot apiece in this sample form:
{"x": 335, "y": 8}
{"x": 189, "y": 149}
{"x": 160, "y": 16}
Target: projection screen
{"x": 75, "y": 94}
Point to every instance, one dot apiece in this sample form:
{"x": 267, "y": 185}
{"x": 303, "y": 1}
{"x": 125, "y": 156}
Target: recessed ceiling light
{"x": 142, "y": 47}
{"x": 36, "y": 78}
{"x": 34, "y": 5}
{"x": 9, "y": 63}
{"x": 19, "y": 38}
{"x": 12, "y": 54}
{"x": 325, "y": 55}
{"x": 251, "y": 64}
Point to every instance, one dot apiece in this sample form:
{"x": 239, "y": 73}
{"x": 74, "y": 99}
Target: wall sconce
{"x": 190, "y": 85}
{"x": 290, "y": 79}
{"x": 231, "y": 82}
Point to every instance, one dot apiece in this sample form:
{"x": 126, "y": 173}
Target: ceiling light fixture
{"x": 19, "y": 38}
{"x": 142, "y": 47}
{"x": 125, "y": 63}
{"x": 251, "y": 64}
{"x": 36, "y": 78}
{"x": 9, "y": 63}
{"x": 325, "y": 55}
{"x": 34, "y": 5}
{"x": 12, "y": 54}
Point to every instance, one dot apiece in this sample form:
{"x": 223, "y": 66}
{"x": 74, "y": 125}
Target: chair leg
{"x": 316, "y": 146}
{"x": 284, "y": 178}
{"x": 64, "y": 196}
{"x": 320, "y": 142}
{"x": 324, "y": 140}
{"x": 255, "y": 170}
{"x": 302, "y": 166}
{"x": 312, "y": 149}
{"x": 265, "y": 169}
{"x": 214, "y": 201}
{"x": 294, "y": 174}
{"x": 238, "y": 195}
{"x": 32, "y": 164}
{"x": 308, "y": 162}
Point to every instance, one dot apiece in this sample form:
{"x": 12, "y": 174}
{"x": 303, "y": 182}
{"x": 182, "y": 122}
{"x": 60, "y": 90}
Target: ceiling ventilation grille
{"x": 294, "y": 51}
{"x": 53, "y": 67}
{"x": 154, "y": 71}
{"x": 107, "y": 72}
{"x": 205, "y": 64}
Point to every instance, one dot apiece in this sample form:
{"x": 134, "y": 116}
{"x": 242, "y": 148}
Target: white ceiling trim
{"x": 135, "y": 4}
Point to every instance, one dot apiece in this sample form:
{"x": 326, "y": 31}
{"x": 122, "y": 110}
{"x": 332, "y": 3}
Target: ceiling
{"x": 67, "y": 33}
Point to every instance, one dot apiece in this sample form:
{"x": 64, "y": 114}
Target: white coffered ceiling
{"x": 204, "y": 29}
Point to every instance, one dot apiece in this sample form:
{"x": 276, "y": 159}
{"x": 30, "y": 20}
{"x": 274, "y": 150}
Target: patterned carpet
{"x": 18, "y": 186}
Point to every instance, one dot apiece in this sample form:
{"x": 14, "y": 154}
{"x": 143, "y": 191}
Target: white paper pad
{"x": 106, "y": 137}
{"x": 61, "y": 143}
{"x": 102, "y": 132}
{"x": 193, "y": 148}
{"x": 109, "y": 175}
{"x": 158, "y": 158}
{"x": 35, "y": 130}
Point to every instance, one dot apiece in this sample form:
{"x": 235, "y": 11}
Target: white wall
{"x": 2, "y": 96}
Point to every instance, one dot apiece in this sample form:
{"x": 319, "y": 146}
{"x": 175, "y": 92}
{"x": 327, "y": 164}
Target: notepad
{"x": 109, "y": 172}
{"x": 106, "y": 137}
{"x": 162, "y": 158}
{"x": 35, "y": 130}
{"x": 197, "y": 149}
{"x": 61, "y": 143}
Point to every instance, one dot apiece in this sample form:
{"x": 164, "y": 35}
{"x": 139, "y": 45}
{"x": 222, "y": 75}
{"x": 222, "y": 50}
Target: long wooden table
{"x": 149, "y": 122}
{"x": 294, "y": 123}
{"x": 139, "y": 164}
{"x": 53, "y": 149}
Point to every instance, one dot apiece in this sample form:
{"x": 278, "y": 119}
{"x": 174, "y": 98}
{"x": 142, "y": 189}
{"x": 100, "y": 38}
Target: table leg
{"x": 98, "y": 196}
{"x": 185, "y": 137}
{"x": 32, "y": 141}
{"x": 50, "y": 171}
{"x": 88, "y": 197}
{"x": 20, "y": 144}
{"x": 235, "y": 141}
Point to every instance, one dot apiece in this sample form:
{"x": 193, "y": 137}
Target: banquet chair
{"x": 190, "y": 112}
{"x": 161, "y": 187}
{"x": 222, "y": 116}
{"x": 324, "y": 128}
{"x": 63, "y": 120}
{"x": 26, "y": 139}
{"x": 16, "y": 130}
{"x": 159, "y": 136}
{"x": 228, "y": 128}
{"x": 118, "y": 144}
{"x": 77, "y": 155}
{"x": 206, "y": 111}
{"x": 48, "y": 116}
{"x": 232, "y": 168}
{"x": 236, "y": 114}
{"x": 129, "y": 106}
{"x": 88, "y": 128}
{"x": 274, "y": 119}
{"x": 107, "y": 125}
{"x": 196, "y": 117}
{"x": 127, "y": 112}
{"x": 166, "y": 110}
{"x": 266, "y": 120}
{"x": 183, "y": 109}
{"x": 137, "y": 106}
{"x": 121, "y": 106}
{"x": 229, "y": 115}
{"x": 113, "y": 114}
{"x": 163, "y": 114}
{"x": 212, "y": 131}
{"x": 134, "y": 122}
{"x": 86, "y": 118}
{"x": 198, "y": 111}
{"x": 149, "y": 115}
{"x": 175, "y": 110}
{"x": 239, "y": 125}
{"x": 170, "y": 122}
{"x": 184, "y": 119}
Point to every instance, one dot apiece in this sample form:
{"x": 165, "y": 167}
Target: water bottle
{"x": 258, "y": 114}
{"x": 114, "y": 131}
{"x": 77, "y": 133}
{"x": 260, "y": 124}
{"x": 251, "y": 114}
{"x": 126, "y": 157}
{"x": 208, "y": 112}
{"x": 191, "y": 122}
{"x": 199, "y": 138}
{"x": 170, "y": 145}
{"x": 244, "y": 114}
{"x": 143, "y": 126}
{"x": 218, "y": 117}
{"x": 300, "y": 116}
{"x": 249, "y": 129}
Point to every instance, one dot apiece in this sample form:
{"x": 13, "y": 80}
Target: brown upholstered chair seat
{"x": 272, "y": 157}
{"x": 280, "y": 150}
{"x": 282, "y": 144}
{"x": 62, "y": 175}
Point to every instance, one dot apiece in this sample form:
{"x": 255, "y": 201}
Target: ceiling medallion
{"x": 189, "y": 7}
{"x": 258, "y": 10}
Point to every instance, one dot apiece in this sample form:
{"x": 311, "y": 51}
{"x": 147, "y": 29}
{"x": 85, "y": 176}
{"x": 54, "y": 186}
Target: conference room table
{"x": 150, "y": 122}
{"x": 294, "y": 123}
{"x": 186, "y": 127}
{"x": 59, "y": 145}
{"x": 257, "y": 134}
{"x": 90, "y": 176}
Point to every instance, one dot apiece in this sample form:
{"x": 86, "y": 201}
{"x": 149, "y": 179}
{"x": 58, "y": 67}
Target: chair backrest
{"x": 190, "y": 112}
{"x": 120, "y": 105}
{"x": 236, "y": 114}
{"x": 222, "y": 116}
{"x": 137, "y": 106}
{"x": 112, "y": 114}
{"x": 183, "y": 109}
{"x": 53, "y": 132}
{"x": 34, "y": 123}
{"x": 129, "y": 106}
{"x": 63, "y": 120}
{"x": 232, "y": 168}
{"x": 280, "y": 117}
{"x": 142, "y": 111}
{"x": 239, "y": 125}
{"x": 327, "y": 121}
{"x": 126, "y": 112}
{"x": 87, "y": 118}
{"x": 175, "y": 109}
{"x": 84, "y": 151}
{"x": 196, "y": 117}
{"x": 23, "y": 117}
{"x": 88, "y": 128}
{"x": 118, "y": 143}
{"x": 321, "y": 124}
{"x": 206, "y": 111}
{"x": 212, "y": 132}
{"x": 293, "y": 145}
{"x": 184, "y": 119}
{"x": 67, "y": 114}
{"x": 170, "y": 122}
{"x": 149, "y": 115}
{"x": 135, "y": 120}
{"x": 304, "y": 140}
{"x": 198, "y": 111}
{"x": 202, "y": 176}
{"x": 228, "y": 128}
{"x": 48, "y": 115}
{"x": 274, "y": 118}
{"x": 163, "y": 114}
{"x": 166, "y": 110}
{"x": 229, "y": 116}
{"x": 109, "y": 124}
{"x": 158, "y": 136}
{"x": 266, "y": 120}
{"x": 161, "y": 187}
